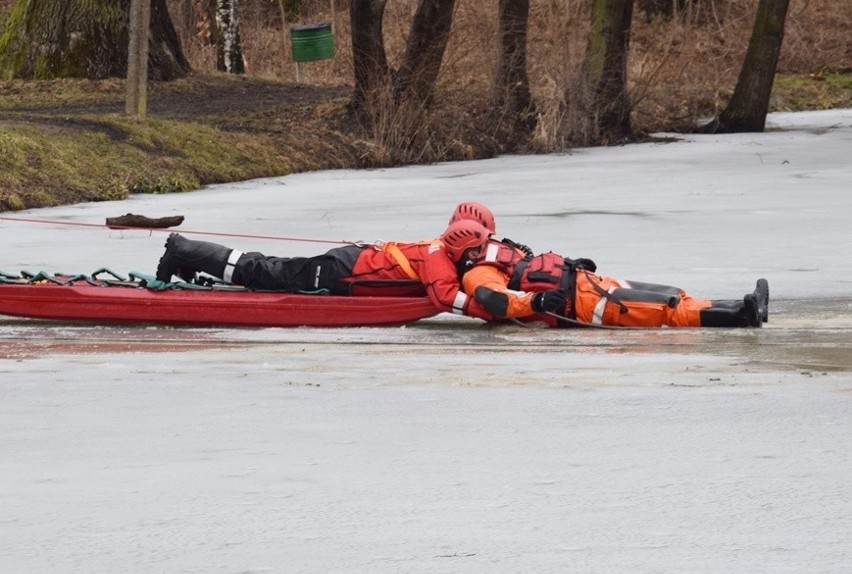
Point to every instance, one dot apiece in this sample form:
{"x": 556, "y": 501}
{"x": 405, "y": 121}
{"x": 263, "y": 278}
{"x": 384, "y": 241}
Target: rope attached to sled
{"x": 183, "y": 231}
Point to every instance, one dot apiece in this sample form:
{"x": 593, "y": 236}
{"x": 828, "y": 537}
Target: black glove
{"x": 583, "y": 263}
{"x": 525, "y": 249}
{"x": 553, "y": 300}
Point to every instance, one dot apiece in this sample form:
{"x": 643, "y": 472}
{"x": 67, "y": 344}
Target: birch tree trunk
{"x": 229, "y": 51}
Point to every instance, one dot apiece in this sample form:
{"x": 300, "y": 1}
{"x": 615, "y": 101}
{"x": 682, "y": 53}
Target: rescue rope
{"x": 182, "y": 231}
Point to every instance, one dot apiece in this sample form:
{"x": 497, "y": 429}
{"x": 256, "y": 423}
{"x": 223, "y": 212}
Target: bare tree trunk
{"x": 413, "y": 84}
{"x": 430, "y": 31}
{"x": 605, "y": 98}
{"x": 511, "y": 99}
{"x": 663, "y": 8}
{"x": 166, "y": 60}
{"x": 746, "y": 112}
{"x": 395, "y": 105}
{"x": 369, "y": 60}
{"x": 80, "y": 38}
{"x": 229, "y": 51}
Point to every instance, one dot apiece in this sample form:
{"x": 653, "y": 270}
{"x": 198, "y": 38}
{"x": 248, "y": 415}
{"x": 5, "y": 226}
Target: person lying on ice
{"x": 511, "y": 283}
{"x": 401, "y": 269}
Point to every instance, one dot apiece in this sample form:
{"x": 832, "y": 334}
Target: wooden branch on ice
{"x": 132, "y": 220}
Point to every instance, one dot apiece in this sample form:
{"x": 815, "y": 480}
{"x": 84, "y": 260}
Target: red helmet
{"x": 475, "y": 212}
{"x": 463, "y": 235}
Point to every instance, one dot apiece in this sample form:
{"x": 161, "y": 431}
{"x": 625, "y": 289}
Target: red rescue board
{"x": 83, "y": 301}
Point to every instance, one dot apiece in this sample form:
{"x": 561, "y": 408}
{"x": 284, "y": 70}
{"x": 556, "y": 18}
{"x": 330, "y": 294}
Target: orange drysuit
{"x": 505, "y": 282}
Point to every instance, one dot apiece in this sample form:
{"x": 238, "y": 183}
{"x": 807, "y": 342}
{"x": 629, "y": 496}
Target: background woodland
{"x": 680, "y": 70}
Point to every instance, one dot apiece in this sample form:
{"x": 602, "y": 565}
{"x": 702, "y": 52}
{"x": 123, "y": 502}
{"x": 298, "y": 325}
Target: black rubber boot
{"x": 761, "y": 291}
{"x": 732, "y": 314}
{"x": 185, "y": 257}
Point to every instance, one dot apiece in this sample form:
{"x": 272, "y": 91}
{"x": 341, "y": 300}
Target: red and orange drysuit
{"x": 504, "y": 281}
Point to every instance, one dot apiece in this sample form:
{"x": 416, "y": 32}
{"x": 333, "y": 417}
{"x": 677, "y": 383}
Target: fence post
{"x": 136, "y": 103}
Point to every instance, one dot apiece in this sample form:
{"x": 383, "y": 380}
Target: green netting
{"x": 103, "y": 277}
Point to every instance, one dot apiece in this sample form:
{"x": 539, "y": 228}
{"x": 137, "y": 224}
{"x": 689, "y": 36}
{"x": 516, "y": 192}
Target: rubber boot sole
{"x": 169, "y": 264}
{"x": 761, "y": 291}
{"x": 751, "y": 311}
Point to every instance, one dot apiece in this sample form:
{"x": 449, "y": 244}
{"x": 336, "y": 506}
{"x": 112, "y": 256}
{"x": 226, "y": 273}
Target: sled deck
{"x": 142, "y": 299}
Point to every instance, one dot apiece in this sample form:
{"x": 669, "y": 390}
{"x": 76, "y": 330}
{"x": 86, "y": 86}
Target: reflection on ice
{"x": 794, "y": 338}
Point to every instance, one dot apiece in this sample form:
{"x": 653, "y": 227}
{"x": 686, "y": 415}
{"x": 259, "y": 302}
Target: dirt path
{"x": 193, "y": 96}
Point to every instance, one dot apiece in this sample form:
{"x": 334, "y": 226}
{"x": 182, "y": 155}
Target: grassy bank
{"x": 67, "y": 141}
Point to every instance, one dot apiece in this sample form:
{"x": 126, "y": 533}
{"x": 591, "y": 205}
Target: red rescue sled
{"x": 94, "y": 300}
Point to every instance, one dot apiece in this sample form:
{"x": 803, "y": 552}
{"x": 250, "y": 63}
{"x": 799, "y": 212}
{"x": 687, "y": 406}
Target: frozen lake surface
{"x": 450, "y": 445}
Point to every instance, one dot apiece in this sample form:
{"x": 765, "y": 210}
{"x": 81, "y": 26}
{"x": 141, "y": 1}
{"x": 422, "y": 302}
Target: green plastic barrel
{"x": 312, "y": 42}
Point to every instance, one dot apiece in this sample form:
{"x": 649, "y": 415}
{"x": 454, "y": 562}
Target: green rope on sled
{"x": 9, "y": 278}
{"x": 101, "y": 277}
{"x": 151, "y": 282}
{"x": 108, "y": 278}
{"x": 96, "y": 276}
{"x": 40, "y": 276}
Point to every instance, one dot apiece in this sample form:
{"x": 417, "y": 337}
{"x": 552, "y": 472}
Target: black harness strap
{"x": 568, "y": 283}
{"x": 515, "y": 281}
{"x": 611, "y": 297}
{"x": 577, "y": 323}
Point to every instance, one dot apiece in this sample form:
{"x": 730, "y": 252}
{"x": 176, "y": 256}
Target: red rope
{"x": 186, "y": 231}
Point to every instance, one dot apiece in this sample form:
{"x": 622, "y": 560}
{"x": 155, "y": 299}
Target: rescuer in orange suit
{"x": 511, "y": 284}
{"x": 428, "y": 268}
